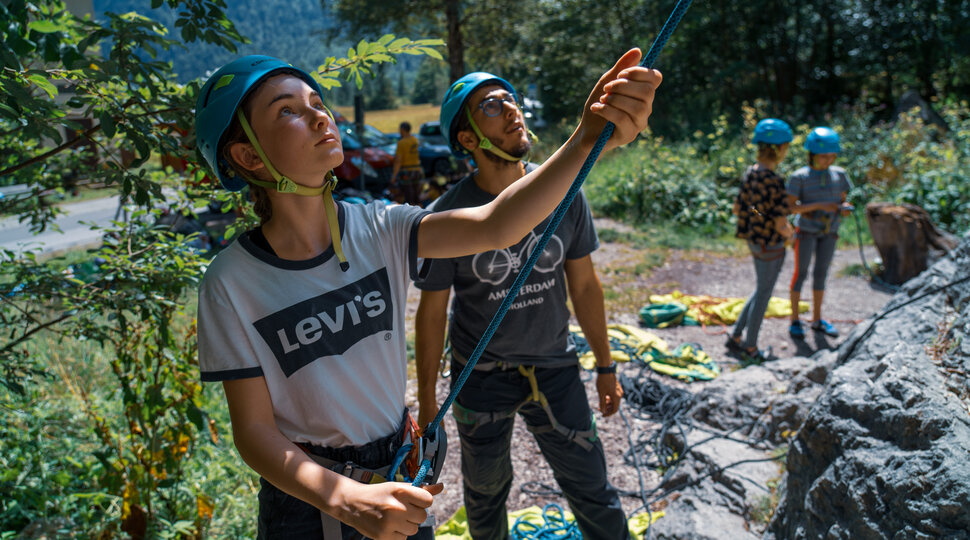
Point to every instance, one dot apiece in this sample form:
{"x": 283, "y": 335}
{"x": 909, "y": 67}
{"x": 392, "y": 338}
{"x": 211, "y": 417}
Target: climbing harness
{"x": 715, "y": 310}
{"x": 414, "y": 449}
{"x": 584, "y": 438}
{"x": 679, "y": 10}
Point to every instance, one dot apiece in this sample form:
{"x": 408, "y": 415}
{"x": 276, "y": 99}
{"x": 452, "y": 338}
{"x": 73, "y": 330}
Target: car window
{"x": 430, "y": 129}
{"x": 367, "y": 139}
{"x": 350, "y": 141}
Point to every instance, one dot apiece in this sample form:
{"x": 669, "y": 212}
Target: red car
{"x": 364, "y": 165}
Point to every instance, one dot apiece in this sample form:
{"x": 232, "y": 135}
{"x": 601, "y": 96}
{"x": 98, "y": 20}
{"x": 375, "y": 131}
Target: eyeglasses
{"x": 493, "y": 106}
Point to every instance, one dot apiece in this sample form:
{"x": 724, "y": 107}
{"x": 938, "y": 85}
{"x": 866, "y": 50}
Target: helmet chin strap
{"x": 285, "y": 185}
{"x": 485, "y": 144}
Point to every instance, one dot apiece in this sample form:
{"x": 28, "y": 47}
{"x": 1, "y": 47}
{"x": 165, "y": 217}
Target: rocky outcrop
{"x": 885, "y": 450}
{"x": 723, "y": 486}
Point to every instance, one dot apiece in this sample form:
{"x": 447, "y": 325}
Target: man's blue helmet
{"x": 219, "y": 98}
{"x": 823, "y": 140}
{"x": 772, "y": 131}
{"x": 455, "y": 100}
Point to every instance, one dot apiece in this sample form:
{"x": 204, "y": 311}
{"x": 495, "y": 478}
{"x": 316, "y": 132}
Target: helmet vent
{"x": 223, "y": 81}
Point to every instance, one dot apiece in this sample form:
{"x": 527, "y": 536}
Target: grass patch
{"x": 694, "y": 238}
{"x": 623, "y": 268}
{"x": 52, "y": 444}
{"x": 853, "y": 270}
{"x": 763, "y": 509}
{"x": 388, "y": 120}
{"x": 853, "y": 228}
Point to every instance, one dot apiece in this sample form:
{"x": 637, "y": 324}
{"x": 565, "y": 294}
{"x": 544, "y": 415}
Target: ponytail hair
{"x": 262, "y": 205}
{"x": 769, "y": 152}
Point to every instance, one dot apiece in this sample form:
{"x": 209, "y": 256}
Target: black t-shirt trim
{"x": 231, "y": 374}
{"x": 250, "y": 241}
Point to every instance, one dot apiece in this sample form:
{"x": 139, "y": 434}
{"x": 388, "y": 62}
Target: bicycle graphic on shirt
{"x": 494, "y": 267}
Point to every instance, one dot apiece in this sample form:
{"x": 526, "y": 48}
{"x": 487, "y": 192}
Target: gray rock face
{"x": 737, "y": 420}
{"x": 884, "y": 452}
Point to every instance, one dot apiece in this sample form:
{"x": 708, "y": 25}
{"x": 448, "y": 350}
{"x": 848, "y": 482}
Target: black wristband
{"x": 602, "y": 370}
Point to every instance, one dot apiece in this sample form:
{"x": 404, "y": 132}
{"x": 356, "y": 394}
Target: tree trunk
{"x": 904, "y": 234}
{"x": 456, "y": 48}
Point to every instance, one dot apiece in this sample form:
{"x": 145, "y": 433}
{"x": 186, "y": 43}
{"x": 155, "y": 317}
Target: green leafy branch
{"x": 361, "y": 59}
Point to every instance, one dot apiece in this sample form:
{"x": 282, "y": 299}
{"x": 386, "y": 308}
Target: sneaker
{"x": 823, "y": 326}
{"x": 734, "y": 345}
{"x": 796, "y": 331}
{"x": 756, "y": 357}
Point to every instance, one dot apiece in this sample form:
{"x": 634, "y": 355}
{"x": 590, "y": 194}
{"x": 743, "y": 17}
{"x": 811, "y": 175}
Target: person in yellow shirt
{"x": 407, "y": 166}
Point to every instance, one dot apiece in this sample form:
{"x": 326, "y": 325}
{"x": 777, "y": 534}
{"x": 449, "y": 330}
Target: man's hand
{"x": 829, "y": 206}
{"x": 610, "y": 393}
{"x": 388, "y": 511}
{"x": 624, "y": 96}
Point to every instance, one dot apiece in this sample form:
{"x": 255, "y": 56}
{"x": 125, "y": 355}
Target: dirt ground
{"x": 628, "y": 282}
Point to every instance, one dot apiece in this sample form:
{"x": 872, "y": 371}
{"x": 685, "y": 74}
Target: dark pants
{"x": 284, "y": 517}
{"x": 486, "y": 466}
{"x": 411, "y": 182}
{"x": 822, "y": 246}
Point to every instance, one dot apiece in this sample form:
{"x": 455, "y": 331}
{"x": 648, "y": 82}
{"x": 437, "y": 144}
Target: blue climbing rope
{"x": 554, "y": 526}
{"x": 658, "y": 44}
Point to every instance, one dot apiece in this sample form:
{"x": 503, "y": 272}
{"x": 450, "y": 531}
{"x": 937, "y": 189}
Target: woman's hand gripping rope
{"x": 388, "y": 511}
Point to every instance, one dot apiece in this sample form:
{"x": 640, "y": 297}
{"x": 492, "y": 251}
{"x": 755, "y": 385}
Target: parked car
{"x": 430, "y": 133}
{"x": 364, "y": 166}
{"x": 436, "y": 158}
{"x": 532, "y": 111}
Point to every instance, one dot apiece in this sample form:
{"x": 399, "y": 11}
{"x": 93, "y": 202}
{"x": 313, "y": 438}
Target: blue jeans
{"x": 767, "y": 265}
{"x": 486, "y": 465}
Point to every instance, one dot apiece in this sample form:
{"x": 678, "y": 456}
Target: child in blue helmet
{"x": 821, "y": 189}
{"x": 762, "y": 207}
{"x": 302, "y": 318}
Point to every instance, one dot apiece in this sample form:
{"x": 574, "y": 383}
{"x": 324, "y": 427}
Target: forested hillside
{"x": 804, "y": 59}
{"x": 300, "y": 31}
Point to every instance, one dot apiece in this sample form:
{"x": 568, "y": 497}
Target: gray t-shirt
{"x": 811, "y": 186}
{"x": 535, "y": 331}
{"x": 330, "y": 344}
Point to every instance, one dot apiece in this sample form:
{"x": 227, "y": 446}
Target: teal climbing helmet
{"x": 455, "y": 100}
{"x": 823, "y": 140}
{"x": 219, "y": 98}
{"x": 772, "y": 131}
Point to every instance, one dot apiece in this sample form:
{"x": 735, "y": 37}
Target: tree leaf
{"x": 46, "y": 26}
{"x": 43, "y": 84}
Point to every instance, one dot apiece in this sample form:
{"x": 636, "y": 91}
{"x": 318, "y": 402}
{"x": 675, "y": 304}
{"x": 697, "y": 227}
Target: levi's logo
{"x": 328, "y": 324}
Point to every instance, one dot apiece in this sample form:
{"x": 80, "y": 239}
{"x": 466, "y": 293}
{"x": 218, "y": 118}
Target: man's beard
{"x": 520, "y": 151}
